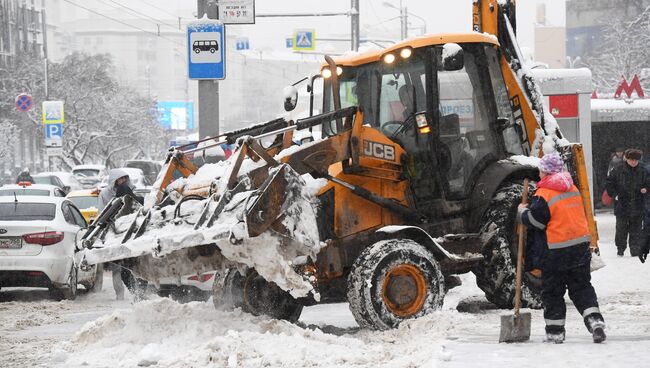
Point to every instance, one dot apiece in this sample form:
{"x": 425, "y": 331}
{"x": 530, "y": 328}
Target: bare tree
{"x": 104, "y": 122}
{"x": 624, "y": 51}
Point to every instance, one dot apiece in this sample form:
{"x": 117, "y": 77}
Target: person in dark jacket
{"x": 562, "y": 244}
{"x": 616, "y": 160}
{"x": 628, "y": 184}
{"x": 24, "y": 176}
{"x": 119, "y": 185}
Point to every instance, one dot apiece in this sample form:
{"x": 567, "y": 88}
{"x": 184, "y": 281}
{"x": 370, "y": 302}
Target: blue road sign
{"x": 288, "y": 43}
{"x": 303, "y": 40}
{"x": 206, "y": 50}
{"x": 242, "y": 44}
{"x": 54, "y": 131}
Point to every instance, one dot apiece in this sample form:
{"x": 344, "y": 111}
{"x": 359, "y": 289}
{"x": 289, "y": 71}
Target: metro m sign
{"x": 635, "y": 86}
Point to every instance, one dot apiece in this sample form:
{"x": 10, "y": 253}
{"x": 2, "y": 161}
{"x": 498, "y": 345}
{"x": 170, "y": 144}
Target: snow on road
{"x": 97, "y": 331}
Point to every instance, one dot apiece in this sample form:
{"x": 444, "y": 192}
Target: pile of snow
{"x": 164, "y": 333}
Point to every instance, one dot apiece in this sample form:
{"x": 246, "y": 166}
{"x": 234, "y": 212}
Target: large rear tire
{"x": 253, "y": 294}
{"x": 392, "y": 281}
{"x": 495, "y": 275}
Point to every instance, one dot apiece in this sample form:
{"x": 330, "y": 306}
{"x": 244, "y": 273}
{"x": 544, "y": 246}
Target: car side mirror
{"x": 66, "y": 189}
{"x": 290, "y": 98}
{"x": 452, "y": 57}
{"x": 502, "y": 124}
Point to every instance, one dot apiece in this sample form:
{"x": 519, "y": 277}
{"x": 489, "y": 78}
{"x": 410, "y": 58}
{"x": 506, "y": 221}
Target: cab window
{"x": 467, "y": 115}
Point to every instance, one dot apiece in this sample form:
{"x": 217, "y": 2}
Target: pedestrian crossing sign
{"x": 304, "y": 40}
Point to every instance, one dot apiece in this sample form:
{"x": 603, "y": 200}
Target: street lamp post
{"x": 403, "y": 15}
{"x": 424, "y": 22}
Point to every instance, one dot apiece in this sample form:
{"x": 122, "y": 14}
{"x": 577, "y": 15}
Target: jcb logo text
{"x": 379, "y": 150}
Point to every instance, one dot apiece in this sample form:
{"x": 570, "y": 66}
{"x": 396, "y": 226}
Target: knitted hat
{"x": 551, "y": 163}
{"x": 633, "y": 154}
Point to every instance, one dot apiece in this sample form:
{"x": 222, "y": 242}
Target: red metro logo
{"x": 635, "y": 86}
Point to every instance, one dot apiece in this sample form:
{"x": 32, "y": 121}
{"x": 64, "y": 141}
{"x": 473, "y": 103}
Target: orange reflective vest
{"x": 568, "y": 224}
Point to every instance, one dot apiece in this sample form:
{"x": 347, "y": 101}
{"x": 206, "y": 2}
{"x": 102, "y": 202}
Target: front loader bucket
{"x": 275, "y": 197}
{"x": 244, "y": 225}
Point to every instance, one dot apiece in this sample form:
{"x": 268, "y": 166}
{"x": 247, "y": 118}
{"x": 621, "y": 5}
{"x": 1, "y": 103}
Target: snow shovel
{"x": 516, "y": 328}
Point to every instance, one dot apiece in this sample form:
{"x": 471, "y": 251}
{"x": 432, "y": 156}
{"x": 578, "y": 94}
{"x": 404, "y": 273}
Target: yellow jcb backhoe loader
{"x": 415, "y": 178}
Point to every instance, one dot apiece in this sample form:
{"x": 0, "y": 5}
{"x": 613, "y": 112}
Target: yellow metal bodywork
{"x": 90, "y": 213}
{"x": 381, "y": 176}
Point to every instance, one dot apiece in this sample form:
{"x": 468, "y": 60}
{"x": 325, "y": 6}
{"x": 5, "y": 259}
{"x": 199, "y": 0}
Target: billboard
{"x": 176, "y": 115}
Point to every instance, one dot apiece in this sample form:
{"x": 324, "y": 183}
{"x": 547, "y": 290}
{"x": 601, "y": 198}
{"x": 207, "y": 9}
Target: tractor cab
{"x": 442, "y": 99}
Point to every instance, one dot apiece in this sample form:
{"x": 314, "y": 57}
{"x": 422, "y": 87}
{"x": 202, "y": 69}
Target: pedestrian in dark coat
{"x": 24, "y": 176}
{"x": 562, "y": 242}
{"x": 616, "y": 160}
{"x": 628, "y": 184}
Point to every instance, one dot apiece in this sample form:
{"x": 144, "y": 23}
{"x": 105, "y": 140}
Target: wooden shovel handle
{"x": 520, "y": 253}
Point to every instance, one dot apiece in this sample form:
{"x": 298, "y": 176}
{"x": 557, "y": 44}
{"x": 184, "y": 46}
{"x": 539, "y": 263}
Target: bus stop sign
{"x": 206, "y": 50}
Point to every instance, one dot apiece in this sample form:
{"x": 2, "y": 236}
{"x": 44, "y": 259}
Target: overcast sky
{"x": 440, "y": 16}
{"x": 376, "y": 18}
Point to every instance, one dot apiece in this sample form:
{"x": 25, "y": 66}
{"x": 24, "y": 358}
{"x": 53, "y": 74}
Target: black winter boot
{"x": 596, "y": 325}
{"x": 555, "y": 334}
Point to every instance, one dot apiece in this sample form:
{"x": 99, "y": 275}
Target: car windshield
{"x": 27, "y": 211}
{"x": 24, "y": 191}
{"x": 42, "y": 180}
{"x": 84, "y": 202}
{"x": 84, "y": 173}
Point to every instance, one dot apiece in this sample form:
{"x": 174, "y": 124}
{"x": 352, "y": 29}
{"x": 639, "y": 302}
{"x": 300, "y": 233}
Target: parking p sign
{"x": 206, "y": 50}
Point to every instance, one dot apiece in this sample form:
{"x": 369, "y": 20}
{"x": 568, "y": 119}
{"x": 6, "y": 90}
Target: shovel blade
{"x": 515, "y": 328}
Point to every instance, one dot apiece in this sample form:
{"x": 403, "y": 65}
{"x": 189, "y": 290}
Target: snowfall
{"x": 95, "y": 330}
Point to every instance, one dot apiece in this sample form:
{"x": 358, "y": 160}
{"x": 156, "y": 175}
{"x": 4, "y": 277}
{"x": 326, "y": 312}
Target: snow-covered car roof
{"x": 83, "y": 193}
{"x": 89, "y": 166}
{"x": 49, "y": 187}
{"x": 132, "y": 171}
{"x": 55, "y": 173}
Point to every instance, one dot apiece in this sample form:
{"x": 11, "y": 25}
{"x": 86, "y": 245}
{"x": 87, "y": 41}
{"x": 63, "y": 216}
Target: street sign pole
{"x": 208, "y": 89}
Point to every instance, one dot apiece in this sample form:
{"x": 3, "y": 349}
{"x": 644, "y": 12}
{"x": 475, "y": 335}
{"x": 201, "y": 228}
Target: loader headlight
{"x": 406, "y": 53}
{"x": 339, "y": 70}
{"x": 326, "y": 73}
{"x": 389, "y": 58}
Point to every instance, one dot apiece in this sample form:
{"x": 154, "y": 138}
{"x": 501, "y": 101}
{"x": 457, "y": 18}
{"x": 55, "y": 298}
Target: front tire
{"x": 392, "y": 281}
{"x": 253, "y": 294}
{"x": 495, "y": 275}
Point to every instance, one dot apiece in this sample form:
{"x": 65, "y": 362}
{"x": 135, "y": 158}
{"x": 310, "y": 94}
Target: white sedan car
{"x": 69, "y": 181}
{"x": 37, "y": 245}
{"x": 28, "y": 189}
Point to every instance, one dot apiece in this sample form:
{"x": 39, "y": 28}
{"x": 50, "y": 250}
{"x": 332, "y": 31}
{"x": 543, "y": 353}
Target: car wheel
{"x": 70, "y": 293}
{"x": 212, "y": 51}
{"x": 197, "y": 50}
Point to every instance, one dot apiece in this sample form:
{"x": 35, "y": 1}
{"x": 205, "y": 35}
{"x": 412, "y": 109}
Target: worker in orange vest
{"x": 557, "y": 213}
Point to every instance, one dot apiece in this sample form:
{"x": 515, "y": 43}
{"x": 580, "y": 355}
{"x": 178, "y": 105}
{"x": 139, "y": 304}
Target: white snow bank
{"x": 164, "y": 333}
